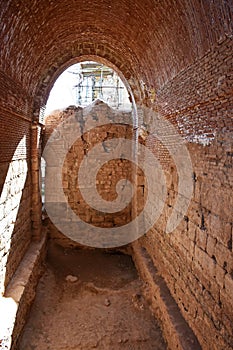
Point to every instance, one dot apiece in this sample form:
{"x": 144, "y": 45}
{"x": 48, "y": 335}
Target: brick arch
{"x": 109, "y": 59}
{"x": 154, "y": 40}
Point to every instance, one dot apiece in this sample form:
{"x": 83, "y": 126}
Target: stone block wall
{"x": 108, "y": 175}
{"x": 196, "y": 259}
{"x": 15, "y": 193}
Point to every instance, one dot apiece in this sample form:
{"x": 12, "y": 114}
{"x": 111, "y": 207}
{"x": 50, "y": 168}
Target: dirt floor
{"x": 90, "y": 300}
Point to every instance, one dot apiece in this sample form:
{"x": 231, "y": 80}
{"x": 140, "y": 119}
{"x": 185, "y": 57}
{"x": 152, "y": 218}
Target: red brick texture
{"x": 149, "y": 42}
{"x": 196, "y": 259}
{"x": 176, "y": 56}
{"x": 108, "y": 175}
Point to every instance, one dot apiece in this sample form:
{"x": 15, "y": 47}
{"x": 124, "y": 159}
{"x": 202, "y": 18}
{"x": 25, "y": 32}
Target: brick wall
{"x": 108, "y": 175}
{"x": 197, "y": 258}
{"x": 177, "y": 58}
{"x": 157, "y": 40}
{"x": 15, "y": 192}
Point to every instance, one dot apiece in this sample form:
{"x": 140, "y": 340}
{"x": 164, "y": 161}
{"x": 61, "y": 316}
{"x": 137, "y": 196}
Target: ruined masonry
{"x": 175, "y": 58}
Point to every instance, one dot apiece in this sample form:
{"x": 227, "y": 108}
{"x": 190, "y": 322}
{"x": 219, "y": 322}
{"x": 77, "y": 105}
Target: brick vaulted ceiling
{"x": 149, "y": 41}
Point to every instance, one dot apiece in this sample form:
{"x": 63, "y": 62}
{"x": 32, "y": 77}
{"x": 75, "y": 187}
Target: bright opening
{"x": 84, "y": 82}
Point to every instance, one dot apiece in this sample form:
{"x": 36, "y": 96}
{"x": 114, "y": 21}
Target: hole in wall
{"x": 82, "y": 83}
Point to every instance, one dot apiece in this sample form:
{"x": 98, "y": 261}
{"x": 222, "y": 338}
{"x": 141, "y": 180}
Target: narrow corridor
{"x": 90, "y": 299}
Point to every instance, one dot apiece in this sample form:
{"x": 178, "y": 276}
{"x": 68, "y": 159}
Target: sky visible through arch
{"x": 64, "y": 91}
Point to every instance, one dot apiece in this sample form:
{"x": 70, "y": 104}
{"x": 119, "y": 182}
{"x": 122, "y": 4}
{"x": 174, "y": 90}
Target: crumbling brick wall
{"x": 109, "y": 174}
{"x": 197, "y": 258}
{"x": 177, "y": 59}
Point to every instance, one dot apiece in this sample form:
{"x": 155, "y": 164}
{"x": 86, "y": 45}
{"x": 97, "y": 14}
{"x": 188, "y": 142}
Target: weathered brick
{"x": 224, "y": 257}
{"x": 176, "y": 60}
{"x": 211, "y": 244}
{"x": 219, "y": 229}
{"x": 201, "y": 238}
{"x": 229, "y": 284}
{"x": 108, "y": 176}
{"x": 220, "y": 275}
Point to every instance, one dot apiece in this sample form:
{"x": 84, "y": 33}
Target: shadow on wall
{"x": 15, "y": 222}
